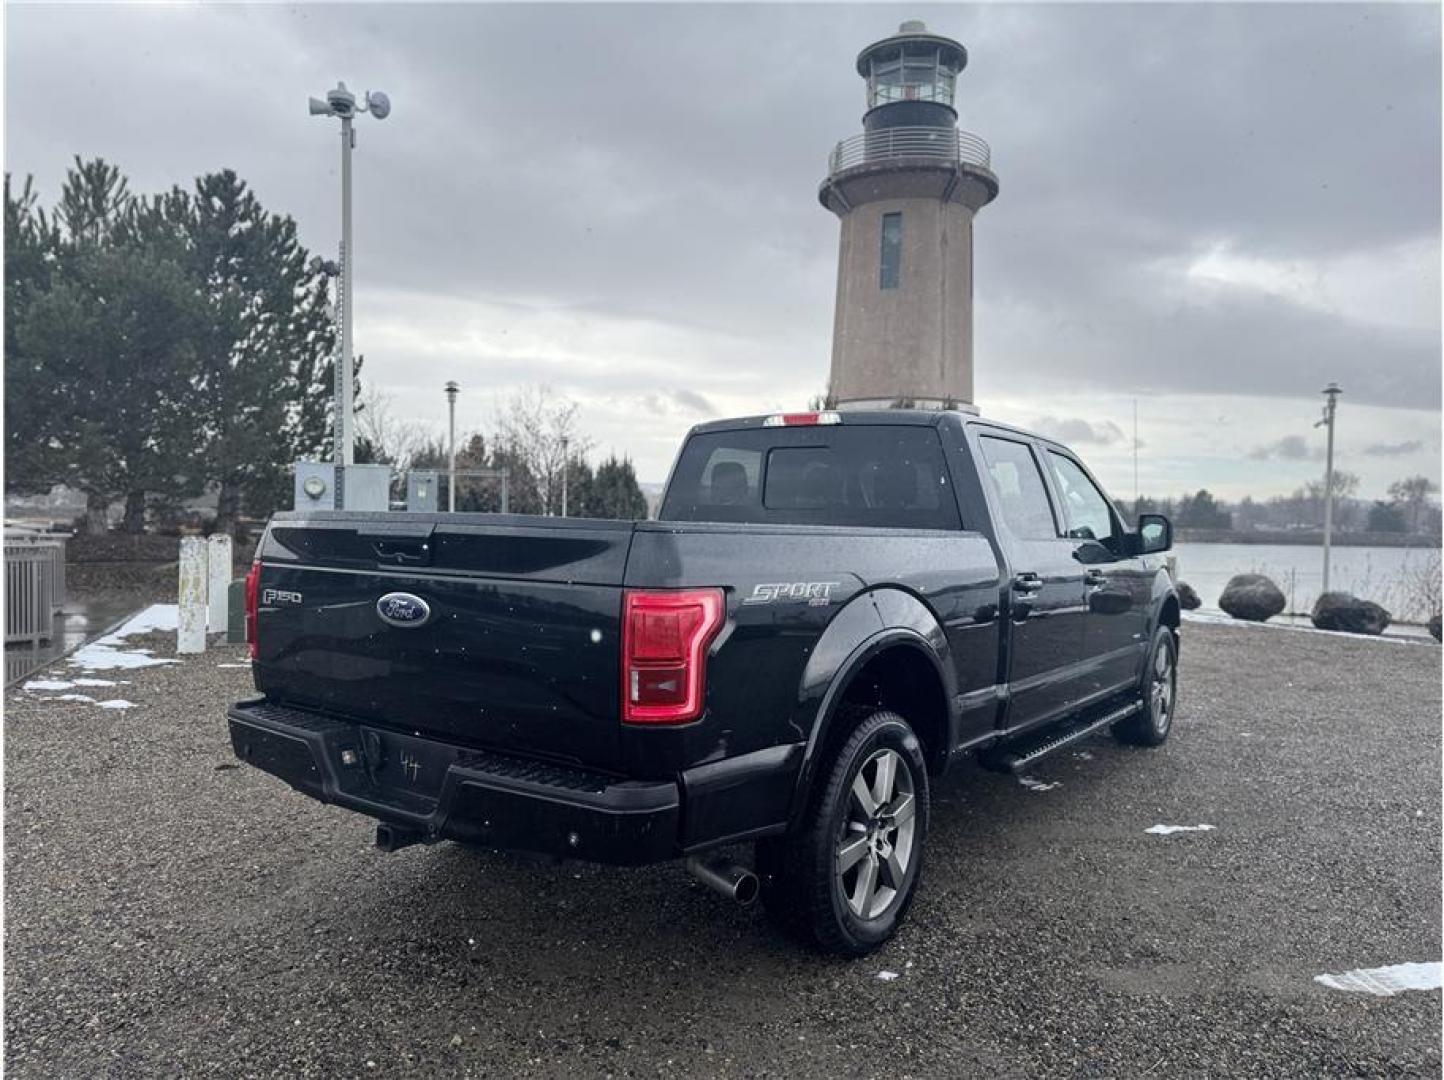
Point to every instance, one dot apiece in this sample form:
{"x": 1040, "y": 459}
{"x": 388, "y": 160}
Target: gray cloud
{"x": 1079, "y": 432}
{"x": 1388, "y": 450}
{"x": 678, "y": 400}
{"x": 657, "y": 165}
{"x": 1289, "y": 448}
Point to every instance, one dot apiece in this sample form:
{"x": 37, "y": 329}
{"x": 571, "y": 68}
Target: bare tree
{"x": 1413, "y": 494}
{"x": 382, "y": 438}
{"x": 532, "y": 427}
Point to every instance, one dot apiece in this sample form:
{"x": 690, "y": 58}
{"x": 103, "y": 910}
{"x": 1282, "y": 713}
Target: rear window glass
{"x": 1018, "y": 485}
{"x": 866, "y": 475}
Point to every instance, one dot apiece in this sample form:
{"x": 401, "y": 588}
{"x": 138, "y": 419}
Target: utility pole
{"x": 1135, "y": 457}
{"x": 341, "y": 103}
{"x": 451, "y": 389}
{"x": 1331, "y": 400}
{"x": 565, "y": 470}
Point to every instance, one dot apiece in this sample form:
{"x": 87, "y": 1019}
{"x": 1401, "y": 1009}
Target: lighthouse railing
{"x": 891, "y": 144}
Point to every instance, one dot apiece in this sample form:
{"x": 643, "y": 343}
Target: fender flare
{"x": 899, "y": 620}
{"x": 1163, "y": 592}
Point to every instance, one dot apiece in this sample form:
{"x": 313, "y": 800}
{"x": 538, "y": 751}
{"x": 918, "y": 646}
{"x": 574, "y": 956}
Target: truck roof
{"x": 895, "y": 417}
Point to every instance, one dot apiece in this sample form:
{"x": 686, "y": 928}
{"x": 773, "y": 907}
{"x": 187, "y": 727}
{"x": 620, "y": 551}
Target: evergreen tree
{"x": 31, "y": 399}
{"x": 264, "y": 383}
{"x": 109, "y": 349}
{"x": 617, "y": 493}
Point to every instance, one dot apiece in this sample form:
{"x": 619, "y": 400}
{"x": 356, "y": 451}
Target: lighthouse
{"x": 906, "y": 191}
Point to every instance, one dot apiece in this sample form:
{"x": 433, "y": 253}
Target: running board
{"x": 1019, "y": 757}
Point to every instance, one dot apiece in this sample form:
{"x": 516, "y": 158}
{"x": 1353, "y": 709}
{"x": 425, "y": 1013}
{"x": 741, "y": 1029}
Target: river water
{"x": 1404, "y": 580}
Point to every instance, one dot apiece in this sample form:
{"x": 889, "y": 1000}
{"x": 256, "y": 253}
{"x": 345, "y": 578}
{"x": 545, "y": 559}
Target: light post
{"x": 341, "y": 103}
{"x": 565, "y": 470}
{"x": 451, "y": 389}
{"x": 1331, "y": 400}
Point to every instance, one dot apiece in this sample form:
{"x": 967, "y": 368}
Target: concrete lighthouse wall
{"x": 914, "y": 341}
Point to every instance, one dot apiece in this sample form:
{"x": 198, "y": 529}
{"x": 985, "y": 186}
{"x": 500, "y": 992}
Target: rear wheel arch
{"x": 896, "y": 670}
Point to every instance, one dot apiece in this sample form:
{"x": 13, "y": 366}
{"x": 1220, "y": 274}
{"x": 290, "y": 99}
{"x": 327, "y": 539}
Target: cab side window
{"x": 1018, "y": 485}
{"x": 1085, "y": 509}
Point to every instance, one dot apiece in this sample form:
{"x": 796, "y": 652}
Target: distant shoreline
{"x": 1303, "y": 538}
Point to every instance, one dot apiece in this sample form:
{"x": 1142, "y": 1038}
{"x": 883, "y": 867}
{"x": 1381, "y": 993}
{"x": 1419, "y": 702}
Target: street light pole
{"x": 451, "y": 389}
{"x": 1331, "y": 400}
{"x": 565, "y": 470}
{"x": 341, "y": 103}
{"x": 344, "y": 434}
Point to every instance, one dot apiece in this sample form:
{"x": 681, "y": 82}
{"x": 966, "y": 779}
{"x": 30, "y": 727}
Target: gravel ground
{"x": 170, "y": 912}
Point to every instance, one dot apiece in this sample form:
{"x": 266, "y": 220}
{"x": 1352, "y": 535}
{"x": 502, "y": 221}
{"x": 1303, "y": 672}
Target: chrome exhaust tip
{"x": 734, "y": 881}
{"x": 394, "y": 837}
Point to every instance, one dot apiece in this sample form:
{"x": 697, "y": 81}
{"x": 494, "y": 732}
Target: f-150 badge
{"x": 816, "y": 593}
{"x": 403, "y": 609}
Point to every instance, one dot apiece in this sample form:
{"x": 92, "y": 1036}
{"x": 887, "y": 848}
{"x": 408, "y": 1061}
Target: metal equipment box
{"x": 367, "y": 487}
{"x": 422, "y": 490}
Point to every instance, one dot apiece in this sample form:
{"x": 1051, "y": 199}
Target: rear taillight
{"x": 664, "y": 646}
{"x": 253, "y": 604}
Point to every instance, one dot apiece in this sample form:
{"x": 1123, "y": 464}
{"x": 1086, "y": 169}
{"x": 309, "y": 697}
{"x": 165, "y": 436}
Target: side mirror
{"x": 1155, "y": 533}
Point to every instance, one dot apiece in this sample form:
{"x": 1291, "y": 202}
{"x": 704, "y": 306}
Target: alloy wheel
{"x": 875, "y": 849}
{"x": 1161, "y": 690}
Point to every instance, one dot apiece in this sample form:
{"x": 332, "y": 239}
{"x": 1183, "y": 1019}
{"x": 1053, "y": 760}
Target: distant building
{"x": 906, "y": 191}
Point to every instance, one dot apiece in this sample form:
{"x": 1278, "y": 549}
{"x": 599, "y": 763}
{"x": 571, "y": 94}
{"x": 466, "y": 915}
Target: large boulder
{"x": 1253, "y": 597}
{"x": 1434, "y": 626}
{"x": 1343, "y": 611}
{"x": 1187, "y": 597}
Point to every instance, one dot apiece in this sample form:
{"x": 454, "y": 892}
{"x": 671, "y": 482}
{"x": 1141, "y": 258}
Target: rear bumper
{"x": 443, "y": 791}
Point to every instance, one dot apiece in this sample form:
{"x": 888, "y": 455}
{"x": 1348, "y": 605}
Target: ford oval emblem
{"x": 403, "y": 609}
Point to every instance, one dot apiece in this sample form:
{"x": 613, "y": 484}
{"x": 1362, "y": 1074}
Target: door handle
{"x": 1027, "y": 582}
{"x": 1094, "y": 576}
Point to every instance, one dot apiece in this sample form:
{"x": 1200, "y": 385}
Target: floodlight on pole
{"x": 341, "y": 103}
{"x": 1331, "y": 400}
{"x": 451, "y": 391}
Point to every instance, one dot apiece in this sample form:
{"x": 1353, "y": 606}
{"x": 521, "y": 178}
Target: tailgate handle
{"x": 403, "y": 552}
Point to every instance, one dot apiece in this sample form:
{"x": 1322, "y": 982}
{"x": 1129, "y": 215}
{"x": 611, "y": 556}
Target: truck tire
{"x": 844, "y": 879}
{"x": 1158, "y": 688}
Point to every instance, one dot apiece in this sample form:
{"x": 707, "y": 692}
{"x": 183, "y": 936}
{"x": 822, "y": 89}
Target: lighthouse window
{"x": 891, "y": 251}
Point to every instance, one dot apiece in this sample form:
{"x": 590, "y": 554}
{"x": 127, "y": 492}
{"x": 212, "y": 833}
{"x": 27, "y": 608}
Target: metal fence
{"x": 892, "y": 144}
{"x": 34, "y": 585}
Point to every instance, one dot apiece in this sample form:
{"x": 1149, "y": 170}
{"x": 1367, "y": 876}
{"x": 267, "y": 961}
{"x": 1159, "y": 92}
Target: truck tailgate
{"x": 506, "y": 633}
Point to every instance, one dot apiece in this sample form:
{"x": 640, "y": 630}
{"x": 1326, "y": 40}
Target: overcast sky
{"x": 1211, "y": 209}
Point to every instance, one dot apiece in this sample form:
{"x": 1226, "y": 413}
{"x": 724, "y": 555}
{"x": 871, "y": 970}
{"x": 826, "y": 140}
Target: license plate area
{"x": 398, "y": 769}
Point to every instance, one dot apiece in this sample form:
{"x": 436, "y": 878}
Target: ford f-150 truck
{"x": 831, "y": 610}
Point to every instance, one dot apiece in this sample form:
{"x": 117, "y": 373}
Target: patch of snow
{"x": 1033, "y": 784}
{"x": 109, "y": 652}
{"x": 47, "y": 684}
{"x": 116, "y": 703}
{"x": 887, "y": 976}
{"x": 71, "y": 697}
{"x": 245, "y": 665}
{"x": 1385, "y": 981}
{"x": 1164, "y": 830}
{"x": 100, "y": 682}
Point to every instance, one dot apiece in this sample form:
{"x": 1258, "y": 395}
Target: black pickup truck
{"x": 832, "y": 609}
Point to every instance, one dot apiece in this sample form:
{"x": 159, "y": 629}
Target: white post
{"x": 565, "y": 470}
{"x": 191, "y": 628}
{"x": 218, "y": 582}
